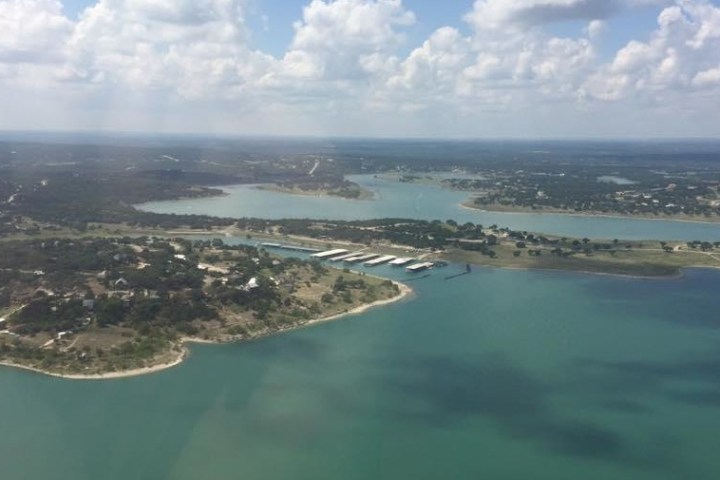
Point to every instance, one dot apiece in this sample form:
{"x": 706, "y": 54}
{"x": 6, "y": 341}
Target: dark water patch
{"x": 621, "y": 405}
{"x": 701, "y": 398}
{"x": 519, "y": 404}
{"x": 703, "y": 369}
{"x": 626, "y": 381}
{"x": 454, "y": 389}
{"x": 689, "y": 301}
{"x": 581, "y": 439}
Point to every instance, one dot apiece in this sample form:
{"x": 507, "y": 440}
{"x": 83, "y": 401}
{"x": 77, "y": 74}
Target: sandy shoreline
{"x": 405, "y": 292}
{"x": 105, "y": 376}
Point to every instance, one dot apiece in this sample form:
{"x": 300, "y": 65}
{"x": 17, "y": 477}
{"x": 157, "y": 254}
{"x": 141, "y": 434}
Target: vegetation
{"x": 102, "y": 304}
{"x": 322, "y": 187}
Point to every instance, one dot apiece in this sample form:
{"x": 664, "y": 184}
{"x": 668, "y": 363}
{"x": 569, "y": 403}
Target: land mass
{"x": 344, "y": 189}
{"x": 108, "y": 307}
{"x": 491, "y": 245}
{"x": 91, "y": 286}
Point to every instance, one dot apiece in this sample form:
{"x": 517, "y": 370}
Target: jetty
{"x": 378, "y": 261}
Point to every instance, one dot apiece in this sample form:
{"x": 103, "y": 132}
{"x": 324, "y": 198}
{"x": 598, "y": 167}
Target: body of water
{"x": 427, "y": 202}
{"x": 498, "y": 374}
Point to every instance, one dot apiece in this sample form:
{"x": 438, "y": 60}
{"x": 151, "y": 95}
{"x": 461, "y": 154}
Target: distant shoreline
{"x": 184, "y": 351}
{"x": 318, "y": 193}
{"x": 528, "y": 211}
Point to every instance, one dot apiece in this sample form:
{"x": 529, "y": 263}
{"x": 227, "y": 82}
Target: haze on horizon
{"x": 389, "y": 68}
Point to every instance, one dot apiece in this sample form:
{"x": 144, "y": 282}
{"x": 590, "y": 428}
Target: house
{"x": 121, "y": 282}
{"x": 251, "y": 284}
{"x": 88, "y": 303}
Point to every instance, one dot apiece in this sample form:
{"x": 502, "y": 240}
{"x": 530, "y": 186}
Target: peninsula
{"x": 108, "y": 307}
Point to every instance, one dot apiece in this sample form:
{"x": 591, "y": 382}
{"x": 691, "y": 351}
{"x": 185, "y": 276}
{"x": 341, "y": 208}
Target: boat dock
{"x": 367, "y": 259}
{"x": 289, "y": 247}
{"x": 344, "y": 256}
{"x": 380, "y": 260}
{"x": 329, "y": 253}
{"x": 419, "y": 267}
{"x": 399, "y": 262}
{"x": 362, "y": 258}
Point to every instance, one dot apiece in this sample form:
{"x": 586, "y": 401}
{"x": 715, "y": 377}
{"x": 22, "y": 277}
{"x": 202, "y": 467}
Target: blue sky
{"x": 485, "y": 68}
{"x": 271, "y": 21}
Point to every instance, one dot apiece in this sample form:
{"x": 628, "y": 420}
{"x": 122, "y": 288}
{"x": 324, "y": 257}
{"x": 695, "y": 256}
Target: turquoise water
{"x": 429, "y": 202}
{"x": 498, "y": 374}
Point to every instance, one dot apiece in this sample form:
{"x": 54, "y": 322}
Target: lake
{"x": 427, "y": 202}
{"x": 499, "y": 374}
{"x": 496, "y": 374}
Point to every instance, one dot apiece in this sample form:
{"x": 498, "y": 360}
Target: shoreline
{"x": 134, "y": 372}
{"x": 667, "y": 218}
{"x": 184, "y": 353}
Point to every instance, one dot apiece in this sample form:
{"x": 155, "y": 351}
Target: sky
{"x": 363, "y": 68}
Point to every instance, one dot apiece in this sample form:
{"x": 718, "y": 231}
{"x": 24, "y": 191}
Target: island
{"x": 321, "y": 188}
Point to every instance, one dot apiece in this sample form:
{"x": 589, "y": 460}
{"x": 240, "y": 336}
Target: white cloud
{"x": 32, "y": 31}
{"x": 185, "y": 46}
{"x": 709, "y": 77}
{"x": 344, "y": 39}
{"x": 343, "y": 64}
{"x": 680, "y": 53}
{"x": 595, "y": 28}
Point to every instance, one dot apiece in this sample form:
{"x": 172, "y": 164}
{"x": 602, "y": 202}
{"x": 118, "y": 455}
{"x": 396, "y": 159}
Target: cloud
{"x": 496, "y": 70}
{"x": 709, "y": 77}
{"x": 517, "y": 14}
{"x": 681, "y": 53}
{"x": 345, "y": 62}
{"x": 32, "y": 31}
{"x": 343, "y": 40}
{"x": 187, "y": 46}
{"x": 495, "y": 14}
